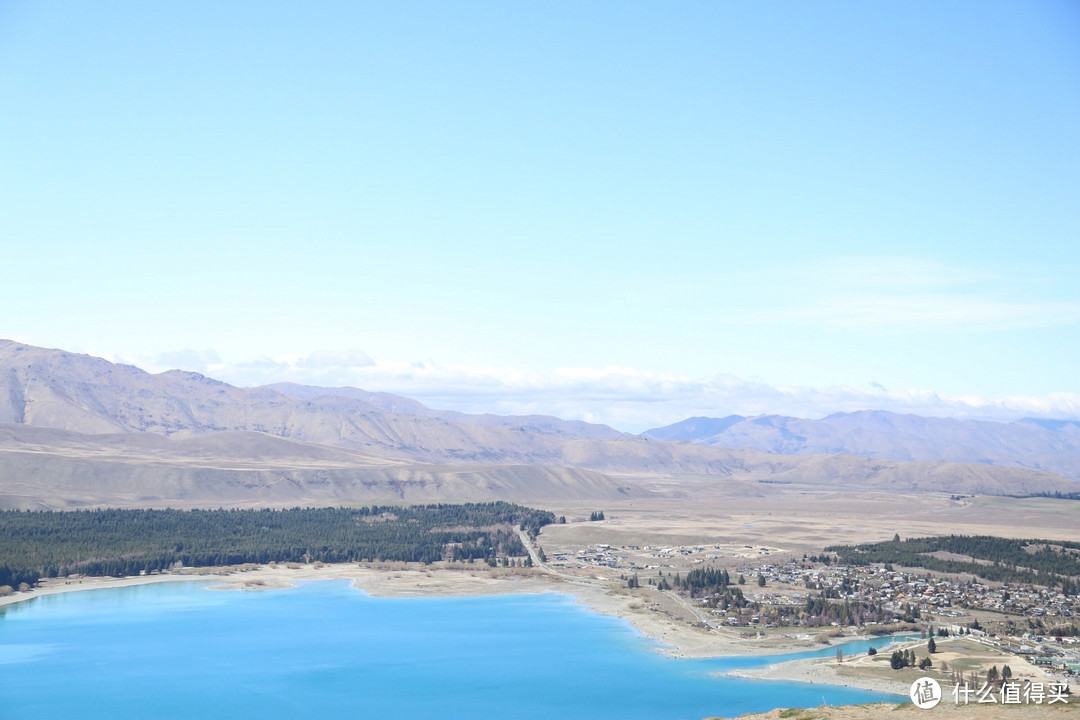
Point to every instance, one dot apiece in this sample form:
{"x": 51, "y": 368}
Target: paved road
{"x": 600, "y": 583}
{"x": 547, "y": 568}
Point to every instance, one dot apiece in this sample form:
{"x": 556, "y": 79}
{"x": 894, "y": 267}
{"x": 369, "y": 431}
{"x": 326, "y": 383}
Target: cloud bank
{"x": 625, "y": 398}
{"x": 912, "y": 294}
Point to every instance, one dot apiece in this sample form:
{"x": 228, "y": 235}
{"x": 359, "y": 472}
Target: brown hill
{"x": 48, "y": 468}
{"x": 82, "y": 430}
{"x": 53, "y": 388}
{"x": 1049, "y": 445}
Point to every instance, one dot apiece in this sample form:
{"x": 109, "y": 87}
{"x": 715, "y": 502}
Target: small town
{"x": 1038, "y": 625}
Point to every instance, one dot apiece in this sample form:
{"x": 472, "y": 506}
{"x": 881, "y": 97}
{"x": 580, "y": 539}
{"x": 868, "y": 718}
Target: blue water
{"x": 325, "y": 650}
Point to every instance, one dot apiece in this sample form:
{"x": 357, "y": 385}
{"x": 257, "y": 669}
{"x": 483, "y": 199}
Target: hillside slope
{"x": 1051, "y": 446}
{"x": 75, "y": 429}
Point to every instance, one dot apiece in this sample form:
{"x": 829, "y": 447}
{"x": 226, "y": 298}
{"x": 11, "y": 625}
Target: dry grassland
{"x": 791, "y": 523}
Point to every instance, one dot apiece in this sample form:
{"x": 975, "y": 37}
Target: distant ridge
{"x": 1070, "y": 426}
{"x": 79, "y": 431}
{"x": 330, "y": 397}
{"x": 1047, "y": 445}
{"x": 695, "y": 429}
{"x": 54, "y": 388}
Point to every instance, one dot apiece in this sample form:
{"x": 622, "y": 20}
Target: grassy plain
{"x": 791, "y": 523}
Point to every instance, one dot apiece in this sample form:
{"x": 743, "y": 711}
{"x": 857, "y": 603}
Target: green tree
{"x": 761, "y": 580}
{"x": 931, "y": 646}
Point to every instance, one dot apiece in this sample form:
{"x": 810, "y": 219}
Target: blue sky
{"x": 617, "y": 211}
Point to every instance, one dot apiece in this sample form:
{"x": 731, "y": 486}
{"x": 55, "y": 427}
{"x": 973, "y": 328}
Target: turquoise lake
{"x": 326, "y": 650}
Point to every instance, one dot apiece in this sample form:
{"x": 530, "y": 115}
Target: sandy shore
{"x": 824, "y": 671}
{"x": 903, "y": 712}
{"x": 861, "y": 672}
{"x": 675, "y": 637}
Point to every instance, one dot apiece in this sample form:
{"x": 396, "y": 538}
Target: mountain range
{"x": 79, "y": 431}
{"x": 1048, "y": 445}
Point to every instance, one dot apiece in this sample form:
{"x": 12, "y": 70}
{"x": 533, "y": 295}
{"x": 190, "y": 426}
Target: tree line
{"x": 37, "y": 544}
{"x": 1037, "y": 562}
{"x": 713, "y": 585}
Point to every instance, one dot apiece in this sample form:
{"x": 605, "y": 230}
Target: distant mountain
{"x": 81, "y": 431}
{"x": 695, "y": 429}
{"x": 1048, "y": 445}
{"x": 337, "y": 397}
{"x": 53, "y": 388}
{"x": 1067, "y": 426}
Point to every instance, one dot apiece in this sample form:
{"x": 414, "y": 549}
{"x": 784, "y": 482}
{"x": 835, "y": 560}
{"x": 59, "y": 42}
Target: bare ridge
{"x": 76, "y": 430}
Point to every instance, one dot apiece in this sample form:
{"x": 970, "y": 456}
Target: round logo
{"x": 925, "y": 693}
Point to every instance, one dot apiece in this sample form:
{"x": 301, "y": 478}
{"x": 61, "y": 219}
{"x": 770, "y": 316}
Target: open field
{"x": 789, "y": 523}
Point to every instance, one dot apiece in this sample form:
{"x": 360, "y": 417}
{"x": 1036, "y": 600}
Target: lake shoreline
{"x": 339, "y": 652}
{"x": 821, "y": 671}
{"x": 674, "y": 638}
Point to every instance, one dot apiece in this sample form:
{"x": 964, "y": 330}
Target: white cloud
{"x": 894, "y": 271}
{"x": 322, "y": 367}
{"x": 939, "y": 311}
{"x": 909, "y": 293}
{"x": 326, "y": 359}
{"x": 194, "y": 360}
{"x": 625, "y": 398}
